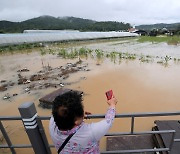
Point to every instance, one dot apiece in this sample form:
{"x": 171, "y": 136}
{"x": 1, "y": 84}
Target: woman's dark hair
{"x": 66, "y": 108}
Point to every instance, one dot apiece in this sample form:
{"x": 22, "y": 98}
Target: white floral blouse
{"x": 86, "y": 139}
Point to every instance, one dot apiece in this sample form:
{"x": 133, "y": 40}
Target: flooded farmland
{"x": 144, "y": 78}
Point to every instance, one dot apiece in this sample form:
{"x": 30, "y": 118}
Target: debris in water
{"x": 2, "y": 81}
{"x": 27, "y": 90}
{"x": 83, "y": 78}
{"x": 65, "y": 76}
{"x": 47, "y": 101}
{"x": 27, "y": 81}
{"x": 3, "y": 88}
{"x": 6, "y": 96}
{"x": 23, "y": 70}
{"x": 51, "y": 75}
{"x": 61, "y": 84}
{"x": 22, "y": 80}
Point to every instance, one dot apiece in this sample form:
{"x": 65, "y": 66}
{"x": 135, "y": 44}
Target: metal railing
{"x": 39, "y": 143}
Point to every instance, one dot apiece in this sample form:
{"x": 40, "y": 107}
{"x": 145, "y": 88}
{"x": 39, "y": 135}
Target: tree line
{"x": 52, "y": 23}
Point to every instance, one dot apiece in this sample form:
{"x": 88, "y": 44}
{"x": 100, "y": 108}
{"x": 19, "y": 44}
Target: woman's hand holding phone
{"x": 111, "y": 100}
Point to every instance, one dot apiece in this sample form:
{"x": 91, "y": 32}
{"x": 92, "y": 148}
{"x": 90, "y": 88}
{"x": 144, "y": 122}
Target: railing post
{"x": 5, "y": 135}
{"x": 132, "y": 125}
{"x": 28, "y": 113}
{"x": 172, "y": 142}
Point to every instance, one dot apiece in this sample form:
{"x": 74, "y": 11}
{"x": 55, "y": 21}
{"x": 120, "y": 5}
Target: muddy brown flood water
{"x": 139, "y": 87}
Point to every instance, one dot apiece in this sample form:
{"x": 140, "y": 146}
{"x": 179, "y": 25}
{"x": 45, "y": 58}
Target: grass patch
{"x": 168, "y": 39}
{"x": 43, "y": 52}
{"x": 99, "y": 54}
{"x": 19, "y": 47}
{"x": 63, "y": 53}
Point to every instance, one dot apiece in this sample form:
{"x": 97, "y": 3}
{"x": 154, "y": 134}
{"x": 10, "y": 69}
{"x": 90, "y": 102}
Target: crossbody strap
{"x": 65, "y": 142}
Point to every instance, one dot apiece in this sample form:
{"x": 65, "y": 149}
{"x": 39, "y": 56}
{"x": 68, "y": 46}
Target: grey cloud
{"x": 132, "y": 11}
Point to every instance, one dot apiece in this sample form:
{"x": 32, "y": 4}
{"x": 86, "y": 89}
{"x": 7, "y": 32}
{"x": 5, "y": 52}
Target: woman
{"x": 67, "y": 119}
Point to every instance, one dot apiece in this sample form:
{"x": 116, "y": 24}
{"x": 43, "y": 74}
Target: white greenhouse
{"x": 34, "y": 37}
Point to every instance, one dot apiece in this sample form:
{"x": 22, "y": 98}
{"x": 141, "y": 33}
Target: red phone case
{"x": 109, "y": 94}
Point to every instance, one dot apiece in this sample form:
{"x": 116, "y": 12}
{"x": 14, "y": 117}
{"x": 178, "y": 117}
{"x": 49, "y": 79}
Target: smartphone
{"x": 109, "y": 94}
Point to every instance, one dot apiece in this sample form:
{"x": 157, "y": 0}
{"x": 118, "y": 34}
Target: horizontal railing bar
{"x": 21, "y": 146}
{"x": 10, "y": 118}
{"x": 176, "y": 140}
{"x": 94, "y": 116}
{"x": 141, "y": 133}
{"x": 109, "y": 134}
{"x": 137, "y": 151}
{"x": 17, "y": 146}
{"x": 43, "y": 117}
{"x": 128, "y": 115}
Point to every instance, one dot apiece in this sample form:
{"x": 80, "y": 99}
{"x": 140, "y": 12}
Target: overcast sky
{"x": 133, "y": 11}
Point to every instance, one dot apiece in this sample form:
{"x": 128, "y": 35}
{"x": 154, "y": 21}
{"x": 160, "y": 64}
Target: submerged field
{"x": 143, "y": 75}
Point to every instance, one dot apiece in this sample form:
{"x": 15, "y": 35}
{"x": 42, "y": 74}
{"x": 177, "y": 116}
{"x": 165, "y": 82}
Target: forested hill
{"x": 174, "y": 26}
{"x": 61, "y": 23}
